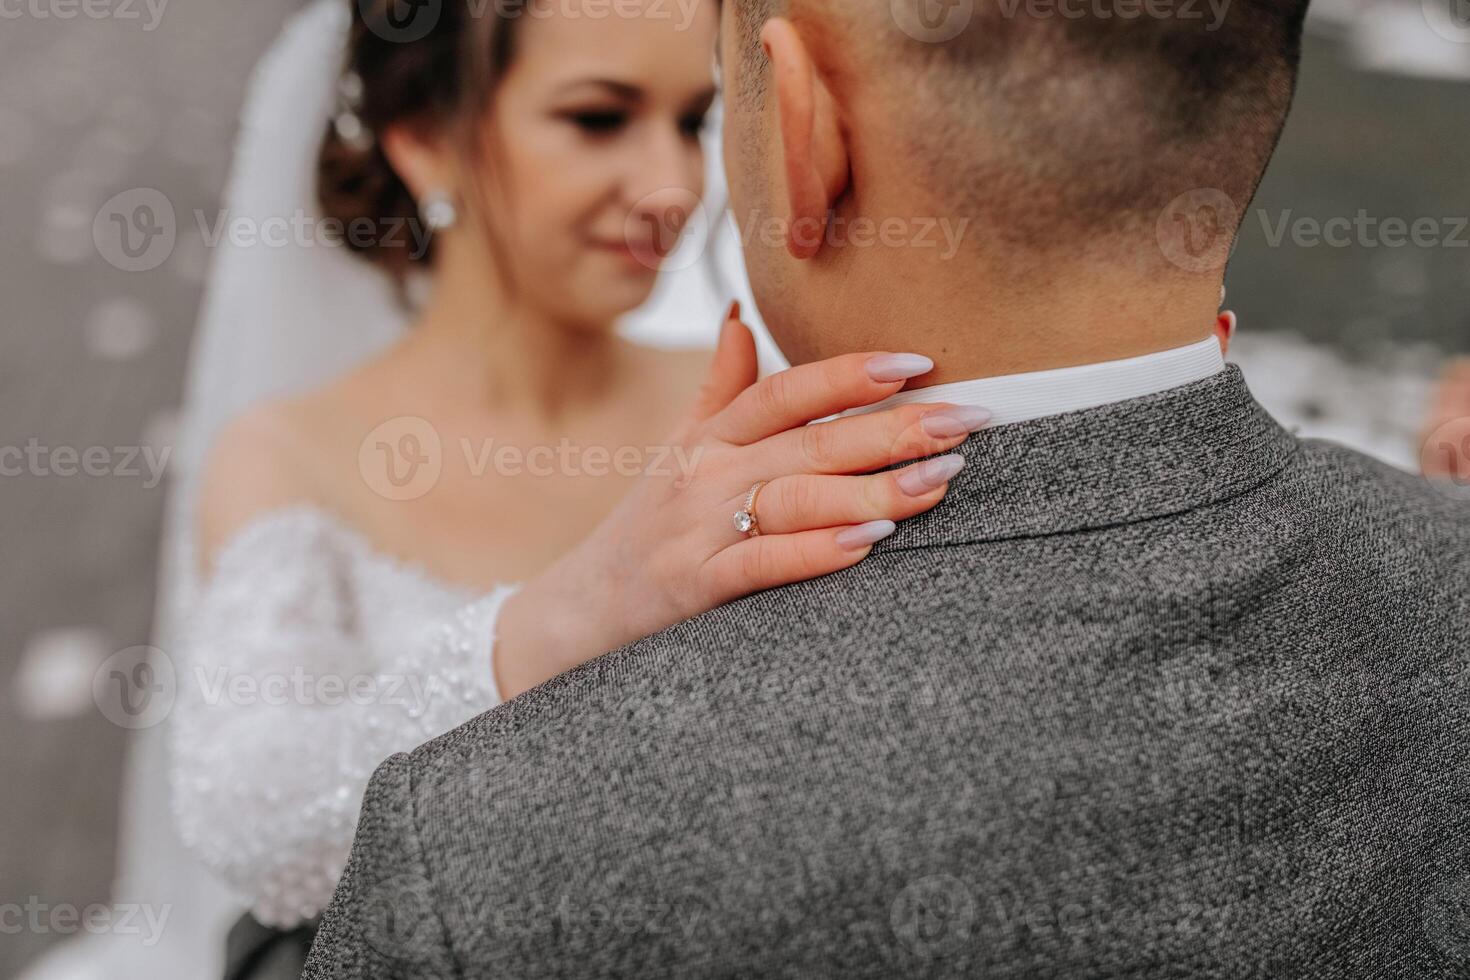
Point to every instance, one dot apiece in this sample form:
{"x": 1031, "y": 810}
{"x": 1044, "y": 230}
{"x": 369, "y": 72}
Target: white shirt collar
{"x": 1022, "y": 397}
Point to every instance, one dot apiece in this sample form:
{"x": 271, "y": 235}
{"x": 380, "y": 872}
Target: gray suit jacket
{"x": 1159, "y": 691}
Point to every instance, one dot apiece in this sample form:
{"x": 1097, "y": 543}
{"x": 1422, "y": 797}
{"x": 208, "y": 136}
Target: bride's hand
{"x": 670, "y": 550}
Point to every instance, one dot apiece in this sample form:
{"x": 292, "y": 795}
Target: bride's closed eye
{"x": 611, "y": 121}
{"x": 697, "y": 113}
{"x": 597, "y": 122}
{"x": 693, "y": 124}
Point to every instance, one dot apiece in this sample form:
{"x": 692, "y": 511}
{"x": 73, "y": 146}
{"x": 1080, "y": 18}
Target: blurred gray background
{"x": 1337, "y": 340}
{"x": 91, "y": 356}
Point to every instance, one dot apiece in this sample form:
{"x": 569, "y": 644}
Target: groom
{"x": 1158, "y": 691}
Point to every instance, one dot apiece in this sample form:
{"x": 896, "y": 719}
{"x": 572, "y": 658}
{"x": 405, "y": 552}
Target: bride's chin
{"x": 613, "y": 298}
{"x": 601, "y": 316}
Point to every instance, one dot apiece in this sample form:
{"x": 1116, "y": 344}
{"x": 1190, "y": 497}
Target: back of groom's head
{"x": 1050, "y": 141}
{"x": 1053, "y": 117}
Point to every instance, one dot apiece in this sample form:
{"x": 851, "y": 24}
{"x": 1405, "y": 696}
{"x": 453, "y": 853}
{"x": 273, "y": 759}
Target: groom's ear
{"x": 810, "y": 141}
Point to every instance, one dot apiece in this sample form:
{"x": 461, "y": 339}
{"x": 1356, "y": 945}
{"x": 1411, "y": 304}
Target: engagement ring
{"x": 745, "y": 520}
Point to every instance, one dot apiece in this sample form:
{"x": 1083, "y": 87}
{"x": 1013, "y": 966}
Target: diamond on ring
{"x": 745, "y": 520}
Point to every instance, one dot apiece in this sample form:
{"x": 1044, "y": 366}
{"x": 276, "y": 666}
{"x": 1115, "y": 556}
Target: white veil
{"x": 276, "y": 318}
{"x": 280, "y": 318}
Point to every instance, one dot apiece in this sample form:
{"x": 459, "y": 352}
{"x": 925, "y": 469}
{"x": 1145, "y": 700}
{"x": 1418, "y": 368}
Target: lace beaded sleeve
{"x": 286, "y": 704}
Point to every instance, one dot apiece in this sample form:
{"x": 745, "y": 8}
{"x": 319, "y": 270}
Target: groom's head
{"x": 1015, "y": 140}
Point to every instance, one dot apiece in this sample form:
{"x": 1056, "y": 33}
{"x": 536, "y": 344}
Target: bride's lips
{"x": 642, "y": 253}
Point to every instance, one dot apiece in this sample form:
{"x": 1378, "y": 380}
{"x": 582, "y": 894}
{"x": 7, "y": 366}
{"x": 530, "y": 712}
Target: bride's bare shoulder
{"x": 278, "y": 454}
{"x": 257, "y": 464}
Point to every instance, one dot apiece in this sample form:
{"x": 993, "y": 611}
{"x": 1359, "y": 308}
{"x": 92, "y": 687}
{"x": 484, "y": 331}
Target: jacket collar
{"x": 1167, "y": 453}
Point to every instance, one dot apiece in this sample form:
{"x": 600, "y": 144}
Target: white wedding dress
{"x": 308, "y": 659}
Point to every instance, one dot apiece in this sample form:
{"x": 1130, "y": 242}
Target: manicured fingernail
{"x": 920, "y": 478}
{"x": 958, "y": 420}
{"x": 857, "y": 538}
{"x": 734, "y": 313}
{"x": 898, "y": 367}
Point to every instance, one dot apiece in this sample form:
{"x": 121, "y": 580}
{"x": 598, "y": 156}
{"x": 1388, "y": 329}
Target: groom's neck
{"x": 972, "y": 331}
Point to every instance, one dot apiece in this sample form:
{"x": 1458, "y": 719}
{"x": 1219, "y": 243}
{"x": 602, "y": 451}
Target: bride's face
{"x": 596, "y": 127}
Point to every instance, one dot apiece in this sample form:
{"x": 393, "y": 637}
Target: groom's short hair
{"x": 1052, "y": 118}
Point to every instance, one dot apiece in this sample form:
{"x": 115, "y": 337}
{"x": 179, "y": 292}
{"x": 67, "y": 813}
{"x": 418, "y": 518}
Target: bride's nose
{"x": 666, "y": 173}
{"x": 659, "y": 219}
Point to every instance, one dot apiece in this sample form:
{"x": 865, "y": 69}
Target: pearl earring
{"x": 439, "y": 211}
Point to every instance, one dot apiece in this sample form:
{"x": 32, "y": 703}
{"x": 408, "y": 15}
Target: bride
{"x": 352, "y": 537}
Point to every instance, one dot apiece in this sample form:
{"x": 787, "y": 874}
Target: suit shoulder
{"x": 587, "y": 709}
{"x": 492, "y": 742}
{"x": 1380, "y": 513}
{"x": 1349, "y": 474}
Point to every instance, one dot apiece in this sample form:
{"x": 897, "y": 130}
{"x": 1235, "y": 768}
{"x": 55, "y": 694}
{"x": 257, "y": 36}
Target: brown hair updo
{"x": 424, "y": 62}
